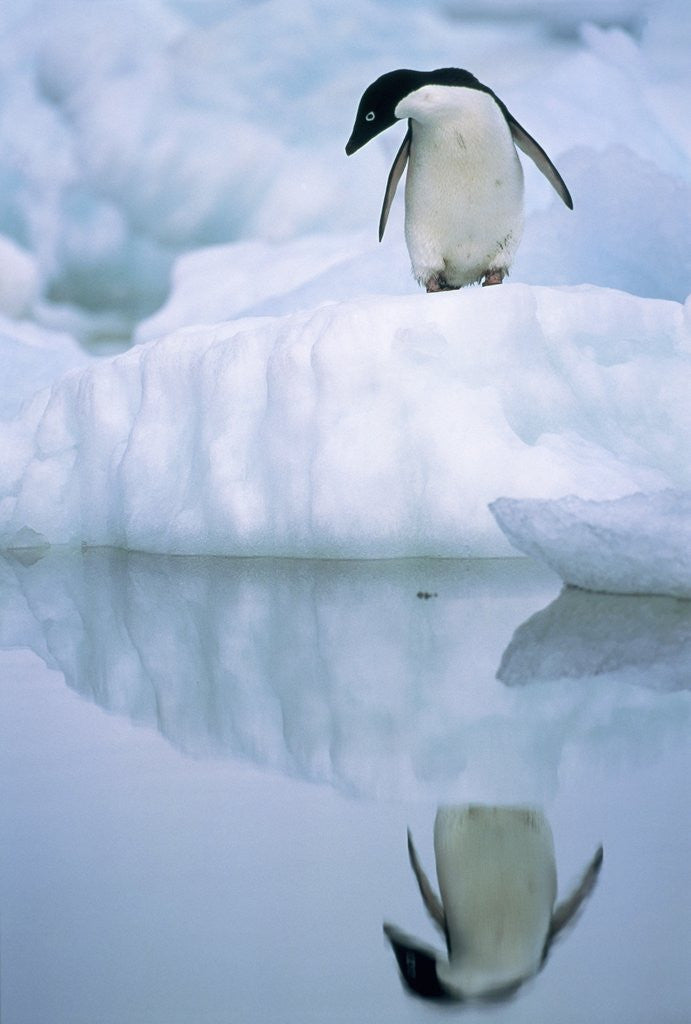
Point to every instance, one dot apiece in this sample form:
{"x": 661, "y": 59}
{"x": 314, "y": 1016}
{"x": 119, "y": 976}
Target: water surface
{"x": 209, "y": 765}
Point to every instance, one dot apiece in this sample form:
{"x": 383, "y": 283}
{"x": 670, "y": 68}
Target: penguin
{"x": 497, "y": 911}
{"x": 464, "y": 186}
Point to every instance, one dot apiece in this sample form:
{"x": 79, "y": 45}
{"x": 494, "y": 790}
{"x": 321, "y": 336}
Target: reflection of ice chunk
{"x": 332, "y": 671}
{"x": 379, "y": 427}
{"x": 640, "y": 544}
{"x": 329, "y": 670}
{"x": 641, "y": 640}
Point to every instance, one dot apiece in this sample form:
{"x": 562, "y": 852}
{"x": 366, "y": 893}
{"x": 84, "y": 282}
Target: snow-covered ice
{"x": 640, "y": 544}
{"x": 375, "y": 428}
{"x": 132, "y": 133}
{"x": 32, "y": 359}
{"x": 18, "y": 279}
{"x": 171, "y": 176}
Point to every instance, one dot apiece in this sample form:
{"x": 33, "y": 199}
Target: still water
{"x": 208, "y": 767}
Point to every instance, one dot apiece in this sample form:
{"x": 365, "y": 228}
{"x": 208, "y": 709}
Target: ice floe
{"x": 640, "y": 544}
{"x": 374, "y": 428}
{"x": 170, "y": 175}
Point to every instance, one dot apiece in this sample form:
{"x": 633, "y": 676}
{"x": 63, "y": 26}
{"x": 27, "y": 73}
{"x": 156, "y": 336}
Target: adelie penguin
{"x": 497, "y": 912}
{"x": 464, "y": 186}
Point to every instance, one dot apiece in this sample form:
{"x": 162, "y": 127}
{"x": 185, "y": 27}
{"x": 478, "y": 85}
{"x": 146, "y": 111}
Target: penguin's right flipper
{"x": 534, "y": 150}
{"x": 429, "y": 896}
{"x": 565, "y": 912}
{"x": 397, "y": 169}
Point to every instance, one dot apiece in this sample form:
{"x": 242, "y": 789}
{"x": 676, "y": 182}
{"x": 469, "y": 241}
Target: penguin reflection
{"x": 498, "y": 883}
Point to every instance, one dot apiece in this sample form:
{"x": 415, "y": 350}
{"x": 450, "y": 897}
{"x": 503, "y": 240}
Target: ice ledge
{"x": 379, "y": 427}
{"x": 640, "y": 544}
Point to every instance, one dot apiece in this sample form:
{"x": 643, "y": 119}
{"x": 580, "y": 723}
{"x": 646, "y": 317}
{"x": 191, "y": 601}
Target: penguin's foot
{"x": 493, "y": 277}
{"x": 438, "y": 283}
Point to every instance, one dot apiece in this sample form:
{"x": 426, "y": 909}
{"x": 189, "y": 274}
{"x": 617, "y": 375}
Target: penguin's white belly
{"x": 464, "y": 190}
{"x": 497, "y": 877}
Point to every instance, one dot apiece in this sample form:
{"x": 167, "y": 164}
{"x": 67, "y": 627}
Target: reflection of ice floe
{"x": 642, "y": 640}
{"x": 331, "y": 671}
{"x": 639, "y": 544}
{"x": 498, "y": 882}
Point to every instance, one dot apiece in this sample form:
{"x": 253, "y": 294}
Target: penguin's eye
{"x": 370, "y": 116}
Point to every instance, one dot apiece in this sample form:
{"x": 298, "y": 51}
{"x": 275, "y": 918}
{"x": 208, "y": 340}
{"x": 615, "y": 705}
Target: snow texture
{"x": 18, "y": 279}
{"x": 171, "y": 176}
{"x": 639, "y": 544}
{"x": 376, "y": 428}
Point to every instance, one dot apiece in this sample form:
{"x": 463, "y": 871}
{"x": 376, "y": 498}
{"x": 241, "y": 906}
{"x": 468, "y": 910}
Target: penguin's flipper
{"x": 537, "y": 154}
{"x": 397, "y": 169}
{"x": 565, "y": 912}
{"x": 429, "y": 896}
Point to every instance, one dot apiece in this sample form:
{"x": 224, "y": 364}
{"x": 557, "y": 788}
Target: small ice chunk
{"x": 639, "y": 544}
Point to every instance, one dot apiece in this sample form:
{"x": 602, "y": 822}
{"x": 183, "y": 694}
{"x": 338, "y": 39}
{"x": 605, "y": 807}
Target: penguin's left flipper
{"x": 537, "y": 154}
{"x": 565, "y": 912}
{"x": 429, "y": 896}
{"x": 397, "y": 169}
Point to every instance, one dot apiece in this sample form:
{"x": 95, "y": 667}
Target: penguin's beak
{"x": 360, "y": 135}
{"x": 363, "y": 133}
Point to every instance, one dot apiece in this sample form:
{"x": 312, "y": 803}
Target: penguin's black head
{"x": 377, "y": 109}
{"x": 418, "y": 966}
